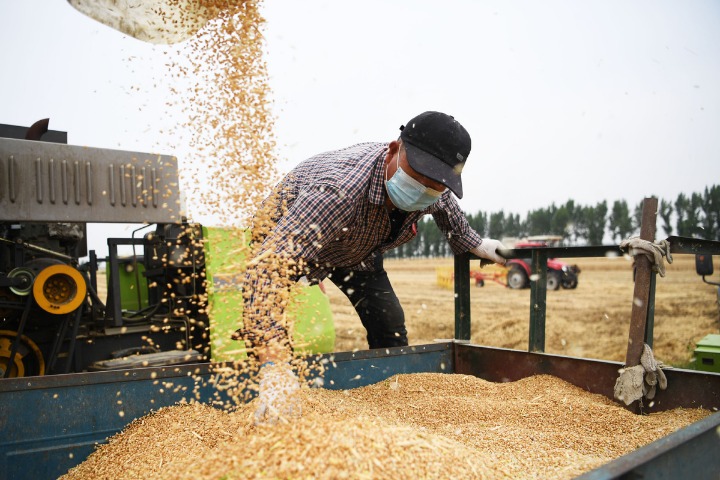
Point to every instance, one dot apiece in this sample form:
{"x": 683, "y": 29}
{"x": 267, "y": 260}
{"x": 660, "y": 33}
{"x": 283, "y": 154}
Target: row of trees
{"x": 696, "y": 215}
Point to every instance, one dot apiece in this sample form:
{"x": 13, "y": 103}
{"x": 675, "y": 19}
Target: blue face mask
{"x": 408, "y": 194}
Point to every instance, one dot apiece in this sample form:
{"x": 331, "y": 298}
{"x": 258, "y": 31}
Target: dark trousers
{"x": 377, "y": 305}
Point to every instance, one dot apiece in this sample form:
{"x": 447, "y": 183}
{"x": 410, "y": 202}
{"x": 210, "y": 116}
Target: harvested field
{"x": 591, "y": 321}
{"x": 409, "y": 426}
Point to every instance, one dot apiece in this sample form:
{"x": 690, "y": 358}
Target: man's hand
{"x": 488, "y": 250}
{"x": 278, "y": 398}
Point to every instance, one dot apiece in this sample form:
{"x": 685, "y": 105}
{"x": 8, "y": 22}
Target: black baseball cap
{"x": 437, "y": 147}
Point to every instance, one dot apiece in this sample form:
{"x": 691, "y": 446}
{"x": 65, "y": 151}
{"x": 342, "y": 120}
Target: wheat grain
{"x": 460, "y": 427}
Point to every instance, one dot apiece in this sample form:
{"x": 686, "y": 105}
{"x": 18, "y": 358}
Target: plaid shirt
{"x": 329, "y": 212}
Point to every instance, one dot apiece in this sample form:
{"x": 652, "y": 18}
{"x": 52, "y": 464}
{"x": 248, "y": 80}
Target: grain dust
{"x": 228, "y": 107}
{"x": 222, "y": 89}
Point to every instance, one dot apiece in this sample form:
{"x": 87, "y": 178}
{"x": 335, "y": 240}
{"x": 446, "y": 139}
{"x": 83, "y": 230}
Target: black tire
{"x": 517, "y": 278}
{"x": 569, "y": 281}
{"x": 553, "y": 280}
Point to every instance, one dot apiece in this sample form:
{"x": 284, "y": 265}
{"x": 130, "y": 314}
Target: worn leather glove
{"x": 278, "y": 398}
{"x": 488, "y": 250}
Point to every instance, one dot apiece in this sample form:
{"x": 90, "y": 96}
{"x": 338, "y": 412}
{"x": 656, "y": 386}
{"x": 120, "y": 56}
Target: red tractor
{"x": 559, "y": 273}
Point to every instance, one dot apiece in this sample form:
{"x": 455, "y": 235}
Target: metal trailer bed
{"x": 52, "y": 423}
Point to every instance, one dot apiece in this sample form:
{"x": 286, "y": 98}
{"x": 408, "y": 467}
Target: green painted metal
{"x": 133, "y": 284}
{"x": 538, "y": 300}
{"x": 309, "y": 311}
{"x": 707, "y": 353}
{"x": 462, "y": 296}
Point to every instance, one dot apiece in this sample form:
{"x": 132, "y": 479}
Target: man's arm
{"x": 314, "y": 217}
{"x": 451, "y": 220}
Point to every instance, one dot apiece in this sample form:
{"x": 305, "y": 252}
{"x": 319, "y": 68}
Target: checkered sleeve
{"x": 451, "y": 220}
{"x": 314, "y": 217}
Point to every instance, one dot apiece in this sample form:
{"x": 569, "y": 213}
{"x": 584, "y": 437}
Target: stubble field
{"x": 591, "y": 321}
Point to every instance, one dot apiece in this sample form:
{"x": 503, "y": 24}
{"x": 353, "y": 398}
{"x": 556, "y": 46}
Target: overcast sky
{"x": 591, "y": 100}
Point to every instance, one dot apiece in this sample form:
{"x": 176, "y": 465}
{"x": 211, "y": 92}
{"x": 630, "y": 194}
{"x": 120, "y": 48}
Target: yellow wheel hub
{"x": 59, "y": 289}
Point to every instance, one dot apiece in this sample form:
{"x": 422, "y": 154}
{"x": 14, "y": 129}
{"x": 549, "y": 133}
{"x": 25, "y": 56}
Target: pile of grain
{"x": 409, "y": 426}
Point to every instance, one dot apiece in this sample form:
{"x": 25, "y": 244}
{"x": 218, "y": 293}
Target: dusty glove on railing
{"x": 278, "y": 398}
{"x": 488, "y": 250}
{"x": 653, "y": 251}
{"x": 641, "y": 380}
{"x": 653, "y": 373}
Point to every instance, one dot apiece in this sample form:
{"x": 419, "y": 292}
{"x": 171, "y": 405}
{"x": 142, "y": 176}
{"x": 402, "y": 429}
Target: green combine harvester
{"x": 175, "y": 299}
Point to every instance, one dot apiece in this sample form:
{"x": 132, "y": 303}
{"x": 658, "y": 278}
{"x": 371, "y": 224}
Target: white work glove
{"x": 278, "y": 397}
{"x": 488, "y": 250}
